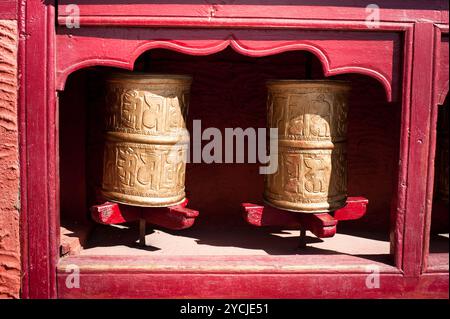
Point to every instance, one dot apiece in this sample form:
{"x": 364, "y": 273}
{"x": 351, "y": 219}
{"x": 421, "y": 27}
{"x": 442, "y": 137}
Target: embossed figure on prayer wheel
{"x": 145, "y": 140}
{"x": 311, "y": 117}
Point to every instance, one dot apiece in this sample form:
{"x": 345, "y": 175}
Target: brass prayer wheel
{"x": 146, "y": 140}
{"x": 311, "y": 117}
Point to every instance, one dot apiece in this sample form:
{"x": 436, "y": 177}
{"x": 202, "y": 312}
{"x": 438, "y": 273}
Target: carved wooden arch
{"x": 376, "y": 58}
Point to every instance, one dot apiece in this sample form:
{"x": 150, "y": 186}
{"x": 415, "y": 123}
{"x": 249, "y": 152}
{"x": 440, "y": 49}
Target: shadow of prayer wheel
{"x": 311, "y": 117}
{"x": 146, "y": 140}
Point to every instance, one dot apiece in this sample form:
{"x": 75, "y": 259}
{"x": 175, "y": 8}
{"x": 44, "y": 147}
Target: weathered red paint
{"x": 110, "y": 213}
{"x": 8, "y": 9}
{"x": 399, "y": 55}
{"x": 356, "y": 208}
{"x": 231, "y": 13}
{"x": 248, "y": 286}
{"x": 173, "y": 217}
{"x": 421, "y": 107}
{"x": 314, "y": 276}
{"x": 335, "y": 50}
{"x": 437, "y": 208}
{"x": 9, "y": 162}
{"x": 38, "y": 151}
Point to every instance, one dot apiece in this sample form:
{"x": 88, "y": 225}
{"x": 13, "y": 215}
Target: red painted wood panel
{"x": 284, "y": 264}
{"x": 248, "y": 286}
{"x": 8, "y": 9}
{"x": 213, "y": 13}
{"x": 39, "y": 216}
{"x": 436, "y": 220}
{"x": 231, "y": 277}
{"x": 419, "y": 147}
{"x": 399, "y": 202}
{"x": 376, "y": 54}
{"x": 438, "y": 263}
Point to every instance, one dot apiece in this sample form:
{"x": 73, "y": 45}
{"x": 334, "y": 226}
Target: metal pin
{"x": 302, "y": 243}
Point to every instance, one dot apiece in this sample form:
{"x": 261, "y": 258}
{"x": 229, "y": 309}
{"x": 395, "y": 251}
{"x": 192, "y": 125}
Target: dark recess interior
{"x": 439, "y": 215}
{"x": 229, "y": 91}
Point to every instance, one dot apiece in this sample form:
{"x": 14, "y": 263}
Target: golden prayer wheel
{"x": 146, "y": 140}
{"x": 442, "y": 160}
{"x": 311, "y": 117}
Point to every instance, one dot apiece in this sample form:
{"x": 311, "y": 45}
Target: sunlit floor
{"x": 237, "y": 240}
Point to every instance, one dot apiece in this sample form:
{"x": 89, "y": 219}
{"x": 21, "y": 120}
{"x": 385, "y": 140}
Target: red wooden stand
{"x": 172, "y": 217}
{"x": 322, "y": 225}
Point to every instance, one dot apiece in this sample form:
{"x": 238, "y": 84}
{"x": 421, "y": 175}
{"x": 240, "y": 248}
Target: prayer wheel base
{"x": 323, "y": 225}
{"x": 174, "y": 217}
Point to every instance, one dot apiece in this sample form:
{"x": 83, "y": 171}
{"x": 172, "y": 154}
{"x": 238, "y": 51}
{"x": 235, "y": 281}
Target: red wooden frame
{"x": 440, "y": 92}
{"x": 38, "y": 150}
{"x": 8, "y": 9}
{"x": 44, "y": 67}
{"x": 274, "y": 277}
{"x": 248, "y": 13}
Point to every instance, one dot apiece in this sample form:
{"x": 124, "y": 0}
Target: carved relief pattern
{"x": 145, "y": 150}
{"x": 161, "y": 111}
{"x": 312, "y": 173}
{"x": 341, "y": 115}
{"x": 309, "y": 176}
{"x": 144, "y": 170}
{"x": 310, "y": 116}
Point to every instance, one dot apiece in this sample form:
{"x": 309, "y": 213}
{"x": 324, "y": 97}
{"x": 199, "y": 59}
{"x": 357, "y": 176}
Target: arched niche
{"x": 229, "y": 91}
